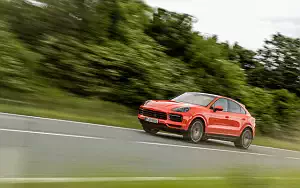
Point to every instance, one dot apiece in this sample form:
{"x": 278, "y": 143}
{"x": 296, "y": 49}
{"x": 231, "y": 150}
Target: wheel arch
{"x": 248, "y": 127}
{"x": 198, "y": 117}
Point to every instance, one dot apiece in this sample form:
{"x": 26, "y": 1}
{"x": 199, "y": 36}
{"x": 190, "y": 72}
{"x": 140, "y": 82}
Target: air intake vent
{"x": 175, "y": 117}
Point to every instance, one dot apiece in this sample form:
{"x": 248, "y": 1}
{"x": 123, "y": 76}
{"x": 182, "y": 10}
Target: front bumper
{"x": 162, "y": 127}
{"x": 167, "y": 123}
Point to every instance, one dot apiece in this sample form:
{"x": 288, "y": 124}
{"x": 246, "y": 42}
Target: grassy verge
{"x": 60, "y": 106}
{"x": 271, "y": 142}
{"x": 122, "y": 119}
{"x": 165, "y": 184}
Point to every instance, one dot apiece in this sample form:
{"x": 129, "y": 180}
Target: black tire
{"x": 150, "y": 130}
{"x": 195, "y": 132}
{"x": 204, "y": 138}
{"x": 245, "y": 140}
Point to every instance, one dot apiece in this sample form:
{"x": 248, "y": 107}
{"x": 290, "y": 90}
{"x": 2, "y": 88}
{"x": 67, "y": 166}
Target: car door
{"x": 218, "y": 121}
{"x": 237, "y": 117}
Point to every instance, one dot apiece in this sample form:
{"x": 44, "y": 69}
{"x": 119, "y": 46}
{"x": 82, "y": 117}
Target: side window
{"x": 234, "y": 107}
{"x": 223, "y": 103}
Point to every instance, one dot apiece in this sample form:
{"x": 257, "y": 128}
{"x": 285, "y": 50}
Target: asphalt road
{"x": 38, "y": 147}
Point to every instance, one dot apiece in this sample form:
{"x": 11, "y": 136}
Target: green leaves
{"x": 172, "y": 30}
{"x": 281, "y": 59}
{"x": 16, "y": 62}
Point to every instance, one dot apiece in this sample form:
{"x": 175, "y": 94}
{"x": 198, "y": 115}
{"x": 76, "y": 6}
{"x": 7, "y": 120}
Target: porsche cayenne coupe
{"x": 198, "y": 117}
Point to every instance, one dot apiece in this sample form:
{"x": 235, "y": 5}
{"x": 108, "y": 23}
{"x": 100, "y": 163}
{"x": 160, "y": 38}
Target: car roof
{"x": 207, "y": 94}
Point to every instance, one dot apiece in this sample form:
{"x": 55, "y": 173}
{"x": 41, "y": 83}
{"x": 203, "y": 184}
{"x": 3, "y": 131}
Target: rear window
{"x": 243, "y": 111}
{"x": 235, "y": 108}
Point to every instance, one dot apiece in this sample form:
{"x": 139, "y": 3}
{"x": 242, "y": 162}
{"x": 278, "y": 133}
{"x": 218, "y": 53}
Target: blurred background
{"x": 97, "y": 60}
{"x": 126, "y": 52}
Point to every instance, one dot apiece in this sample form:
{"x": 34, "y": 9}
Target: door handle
{"x": 227, "y": 117}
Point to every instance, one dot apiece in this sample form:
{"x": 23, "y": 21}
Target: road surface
{"x": 41, "y": 147}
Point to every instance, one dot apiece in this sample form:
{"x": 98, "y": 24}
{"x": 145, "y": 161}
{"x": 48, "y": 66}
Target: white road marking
{"x": 52, "y": 134}
{"x": 202, "y": 148}
{"x": 139, "y": 142}
{"x": 69, "y": 121}
{"x": 115, "y": 127}
{"x": 294, "y": 158}
{"x": 266, "y": 147}
{"x": 129, "y": 179}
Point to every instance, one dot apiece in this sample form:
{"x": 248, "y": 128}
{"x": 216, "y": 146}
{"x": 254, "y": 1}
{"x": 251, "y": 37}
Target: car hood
{"x": 166, "y": 104}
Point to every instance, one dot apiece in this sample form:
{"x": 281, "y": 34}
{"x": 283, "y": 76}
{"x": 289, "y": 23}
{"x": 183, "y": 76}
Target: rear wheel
{"x": 195, "y": 132}
{"x": 245, "y": 140}
{"x": 150, "y": 130}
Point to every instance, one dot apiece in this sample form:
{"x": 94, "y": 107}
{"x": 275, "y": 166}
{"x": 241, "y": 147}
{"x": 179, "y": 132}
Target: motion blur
{"x": 97, "y": 61}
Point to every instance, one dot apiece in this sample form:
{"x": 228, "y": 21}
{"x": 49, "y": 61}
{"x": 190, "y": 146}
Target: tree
{"x": 260, "y": 104}
{"x": 63, "y": 63}
{"x": 171, "y": 30}
{"x": 28, "y": 22}
{"x": 125, "y": 51}
{"x": 245, "y": 57}
{"x": 281, "y": 59}
{"x": 16, "y": 62}
{"x": 287, "y": 110}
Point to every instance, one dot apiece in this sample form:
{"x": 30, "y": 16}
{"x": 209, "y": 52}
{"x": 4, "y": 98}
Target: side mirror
{"x": 218, "y": 108}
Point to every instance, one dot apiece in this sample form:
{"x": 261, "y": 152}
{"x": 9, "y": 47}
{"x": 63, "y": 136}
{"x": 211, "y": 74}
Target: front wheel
{"x": 245, "y": 140}
{"x": 195, "y": 132}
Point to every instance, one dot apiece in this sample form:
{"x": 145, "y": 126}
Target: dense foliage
{"x": 127, "y": 52}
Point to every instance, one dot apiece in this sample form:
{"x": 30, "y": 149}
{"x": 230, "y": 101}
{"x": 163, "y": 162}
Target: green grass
{"x": 65, "y": 107}
{"x": 162, "y": 184}
{"x": 61, "y": 106}
{"x": 122, "y": 119}
{"x": 230, "y": 180}
{"x": 277, "y": 143}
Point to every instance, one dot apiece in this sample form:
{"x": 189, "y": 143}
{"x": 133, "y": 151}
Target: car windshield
{"x": 195, "y": 98}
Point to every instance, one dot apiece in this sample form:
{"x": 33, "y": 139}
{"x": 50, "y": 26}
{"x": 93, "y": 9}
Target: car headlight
{"x": 181, "y": 109}
{"x": 147, "y": 102}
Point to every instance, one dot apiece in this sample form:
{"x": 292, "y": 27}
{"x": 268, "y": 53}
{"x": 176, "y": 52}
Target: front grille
{"x": 152, "y": 113}
{"x": 175, "y": 117}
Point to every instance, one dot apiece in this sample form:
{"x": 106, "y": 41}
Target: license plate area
{"x": 151, "y": 120}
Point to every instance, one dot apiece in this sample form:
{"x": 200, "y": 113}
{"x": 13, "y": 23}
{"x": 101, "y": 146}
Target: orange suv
{"x": 198, "y": 117}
